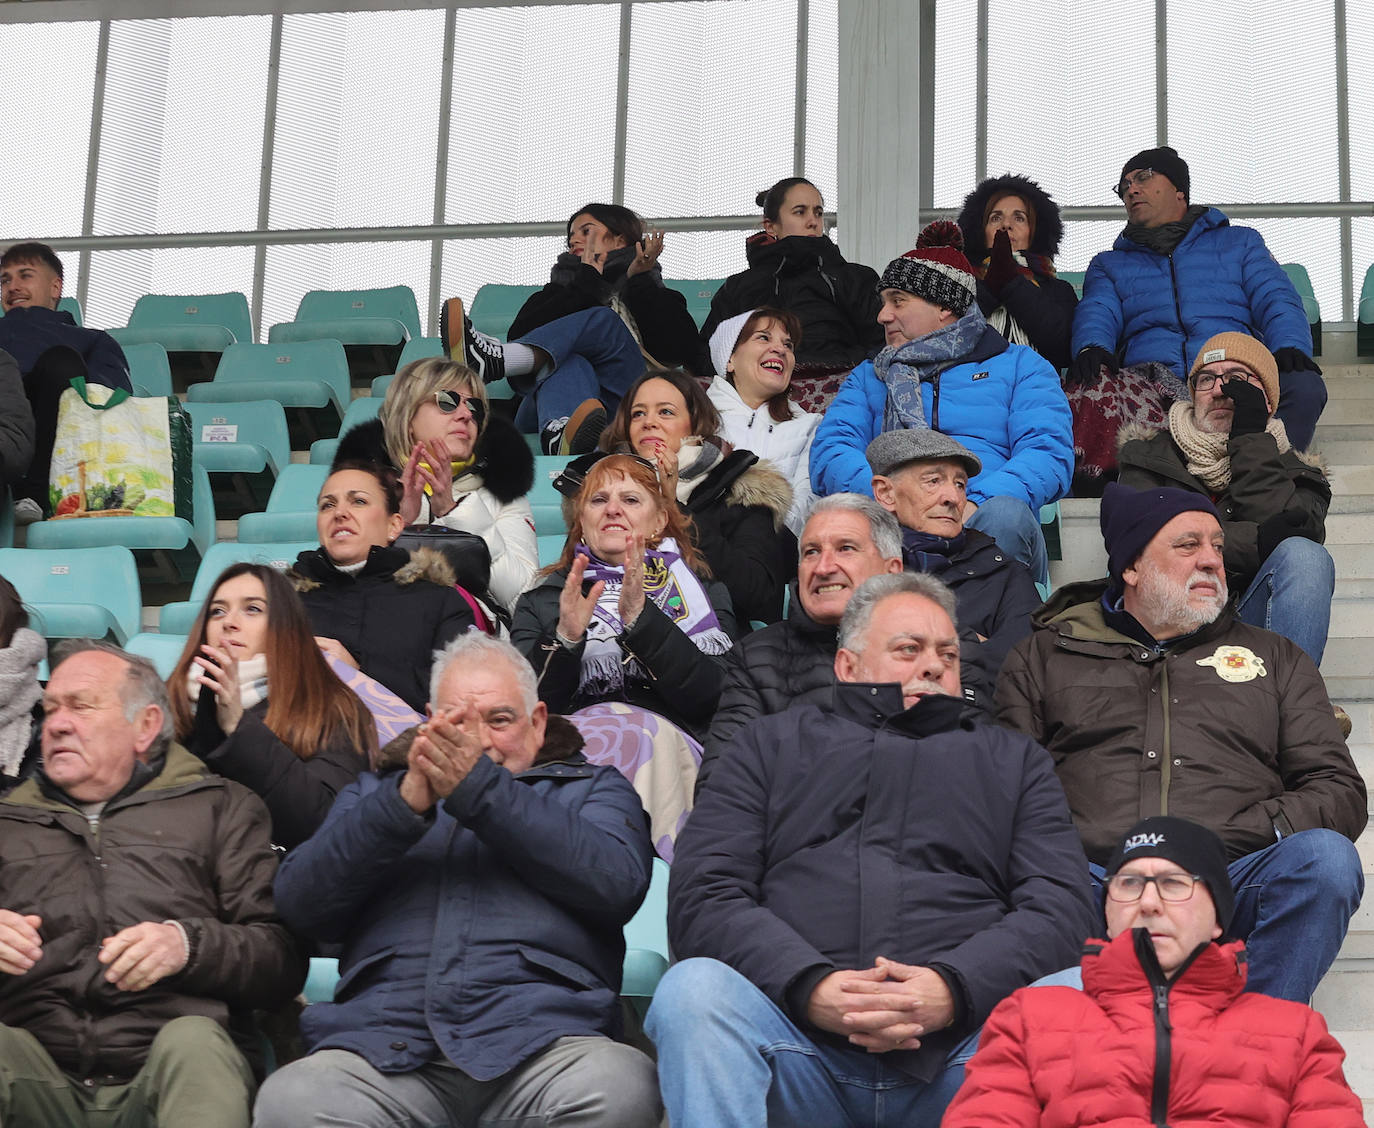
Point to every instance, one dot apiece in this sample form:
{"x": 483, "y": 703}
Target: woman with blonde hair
{"x": 253, "y": 696}
{"x": 461, "y": 466}
{"x": 629, "y": 612}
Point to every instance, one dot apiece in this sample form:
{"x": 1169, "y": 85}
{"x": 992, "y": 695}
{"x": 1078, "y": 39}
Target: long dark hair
{"x": 308, "y": 706}
{"x": 702, "y": 413}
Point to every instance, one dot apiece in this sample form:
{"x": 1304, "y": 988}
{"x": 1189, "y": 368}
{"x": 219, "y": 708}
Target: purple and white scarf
{"x": 672, "y": 587}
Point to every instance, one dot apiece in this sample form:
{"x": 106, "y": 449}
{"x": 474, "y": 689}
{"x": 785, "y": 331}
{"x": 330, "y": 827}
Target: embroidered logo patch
{"x": 981, "y": 375}
{"x": 1235, "y": 664}
{"x": 1211, "y": 356}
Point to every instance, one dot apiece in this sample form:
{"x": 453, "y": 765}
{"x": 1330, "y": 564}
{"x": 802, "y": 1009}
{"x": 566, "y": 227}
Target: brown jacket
{"x": 1231, "y": 727}
{"x": 187, "y": 846}
{"x": 1263, "y": 483}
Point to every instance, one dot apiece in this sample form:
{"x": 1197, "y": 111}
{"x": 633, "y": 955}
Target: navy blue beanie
{"x": 1131, "y": 518}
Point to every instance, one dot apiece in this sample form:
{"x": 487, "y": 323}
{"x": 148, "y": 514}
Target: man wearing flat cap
{"x": 1154, "y": 698}
{"x": 1180, "y": 273}
{"x": 945, "y": 369}
{"x": 921, "y": 477}
{"x": 1272, "y": 499}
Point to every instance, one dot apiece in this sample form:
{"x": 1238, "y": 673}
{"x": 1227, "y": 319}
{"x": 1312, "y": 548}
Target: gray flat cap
{"x": 893, "y": 449}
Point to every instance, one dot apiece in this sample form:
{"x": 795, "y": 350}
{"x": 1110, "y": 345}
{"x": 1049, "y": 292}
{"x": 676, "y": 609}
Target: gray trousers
{"x": 586, "y": 1082}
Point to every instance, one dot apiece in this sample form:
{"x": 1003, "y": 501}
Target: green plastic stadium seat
{"x": 550, "y": 547}
{"x": 546, "y": 502}
{"x": 171, "y": 545}
{"x": 243, "y": 446}
{"x": 646, "y": 943}
{"x": 1302, "y": 282}
{"x": 188, "y": 322}
{"x": 494, "y": 307}
{"x": 78, "y": 592}
{"x": 309, "y": 379}
{"x": 290, "y": 512}
{"x": 179, "y": 618}
{"x": 1364, "y": 324}
{"x": 162, "y": 650}
{"x": 698, "y": 292}
{"x": 1074, "y": 278}
{"x": 150, "y": 371}
{"x": 372, "y": 325}
{"x": 360, "y": 410}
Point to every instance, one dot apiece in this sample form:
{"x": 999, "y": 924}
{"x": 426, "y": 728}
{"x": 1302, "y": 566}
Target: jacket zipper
{"x": 1166, "y": 743}
{"x": 935, "y": 402}
{"x": 1159, "y": 1096}
{"x": 88, "y": 1050}
{"x": 1178, "y": 312}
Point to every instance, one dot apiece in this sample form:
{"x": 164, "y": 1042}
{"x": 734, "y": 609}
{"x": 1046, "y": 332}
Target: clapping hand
{"x": 632, "y": 590}
{"x": 428, "y": 465}
{"x": 575, "y": 609}
{"x": 647, "y": 251}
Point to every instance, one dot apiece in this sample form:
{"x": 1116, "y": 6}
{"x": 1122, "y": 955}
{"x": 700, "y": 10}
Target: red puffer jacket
{"x": 1053, "y": 1057}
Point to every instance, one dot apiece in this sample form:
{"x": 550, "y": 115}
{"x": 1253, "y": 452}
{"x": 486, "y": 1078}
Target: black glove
{"x": 1274, "y": 530}
{"x": 1001, "y": 266}
{"x": 1086, "y": 369}
{"x": 1295, "y": 360}
{"x": 1251, "y": 413}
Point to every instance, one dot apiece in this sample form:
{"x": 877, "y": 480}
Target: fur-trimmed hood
{"x": 1049, "y": 228}
{"x": 562, "y": 741}
{"x": 504, "y": 462}
{"x": 313, "y": 568}
{"x": 1131, "y": 431}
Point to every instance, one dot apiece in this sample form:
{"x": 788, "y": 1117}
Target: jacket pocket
{"x": 561, "y": 968}
{"x": 357, "y": 976}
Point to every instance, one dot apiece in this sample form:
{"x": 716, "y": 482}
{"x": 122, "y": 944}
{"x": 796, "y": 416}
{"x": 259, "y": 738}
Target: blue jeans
{"x": 1302, "y": 396}
{"x": 1294, "y": 900}
{"x": 1292, "y": 593}
{"x": 1016, "y": 529}
{"x": 594, "y": 357}
{"x": 728, "y": 1057}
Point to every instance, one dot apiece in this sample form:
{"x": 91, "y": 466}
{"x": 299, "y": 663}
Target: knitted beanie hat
{"x": 1165, "y": 159}
{"x": 1131, "y": 518}
{"x": 1243, "y": 348}
{"x": 935, "y": 269}
{"x": 1194, "y": 848}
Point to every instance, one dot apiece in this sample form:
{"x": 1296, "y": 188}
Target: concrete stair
{"x": 1345, "y": 440}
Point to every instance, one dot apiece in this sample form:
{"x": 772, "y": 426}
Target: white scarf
{"x": 252, "y": 681}
{"x": 1206, "y": 452}
{"x": 19, "y": 692}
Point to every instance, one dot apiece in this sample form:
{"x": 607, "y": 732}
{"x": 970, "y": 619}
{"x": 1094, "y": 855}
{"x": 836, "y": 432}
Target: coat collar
{"x": 880, "y": 705}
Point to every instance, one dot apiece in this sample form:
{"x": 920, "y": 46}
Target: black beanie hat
{"x": 1195, "y": 848}
{"x": 1165, "y": 159}
{"x": 1131, "y": 518}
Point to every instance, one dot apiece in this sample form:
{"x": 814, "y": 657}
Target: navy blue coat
{"x": 829, "y": 836}
{"x": 1146, "y": 306}
{"x": 480, "y": 933}
{"x": 27, "y": 332}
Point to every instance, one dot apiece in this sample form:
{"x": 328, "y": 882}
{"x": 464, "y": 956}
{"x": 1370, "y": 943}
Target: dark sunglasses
{"x": 449, "y": 402}
{"x": 574, "y": 474}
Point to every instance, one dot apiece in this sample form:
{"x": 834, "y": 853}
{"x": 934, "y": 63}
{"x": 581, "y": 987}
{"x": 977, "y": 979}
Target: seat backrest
{"x": 397, "y": 302}
{"x": 495, "y": 305}
{"x": 698, "y": 292}
{"x": 149, "y": 369}
{"x": 648, "y": 928}
{"x": 1302, "y": 281}
{"x": 360, "y": 410}
{"x": 253, "y": 421}
{"x": 229, "y": 310}
{"x": 546, "y": 503}
{"x": 106, "y": 577}
{"x": 419, "y": 348}
{"x": 298, "y": 360}
{"x": 1074, "y": 278}
{"x": 296, "y": 488}
{"x": 276, "y": 554}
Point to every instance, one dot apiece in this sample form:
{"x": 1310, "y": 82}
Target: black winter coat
{"x": 683, "y": 683}
{"x": 392, "y": 616}
{"x": 834, "y": 835}
{"x": 666, "y": 329}
{"x": 298, "y": 793}
{"x": 28, "y": 332}
{"x": 836, "y": 301}
{"x": 16, "y": 422}
{"x": 1044, "y": 311}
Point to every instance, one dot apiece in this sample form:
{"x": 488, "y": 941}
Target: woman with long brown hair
{"x": 253, "y": 696}
{"x": 629, "y": 612}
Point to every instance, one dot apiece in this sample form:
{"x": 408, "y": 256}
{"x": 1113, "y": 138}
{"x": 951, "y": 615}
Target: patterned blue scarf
{"x": 904, "y": 367}
{"x": 925, "y": 552}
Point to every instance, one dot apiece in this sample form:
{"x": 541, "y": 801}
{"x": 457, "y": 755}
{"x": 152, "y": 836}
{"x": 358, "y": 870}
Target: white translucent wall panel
{"x": 1252, "y": 99}
{"x": 293, "y": 270}
{"x": 704, "y": 254}
{"x": 181, "y": 136}
{"x": 469, "y": 264}
{"x": 533, "y": 133}
{"x": 120, "y": 278}
{"x": 1070, "y": 120}
{"x": 823, "y": 98}
{"x": 1316, "y": 244}
{"x": 711, "y": 105}
{"x": 358, "y": 120}
{"x": 1085, "y": 238}
{"x": 1359, "y": 45}
{"x": 47, "y": 138}
{"x": 956, "y": 109}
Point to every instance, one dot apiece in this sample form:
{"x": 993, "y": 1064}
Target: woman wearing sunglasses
{"x": 629, "y": 612}
{"x": 460, "y": 466}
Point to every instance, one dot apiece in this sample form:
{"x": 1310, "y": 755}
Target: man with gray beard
{"x": 1154, "y": 699}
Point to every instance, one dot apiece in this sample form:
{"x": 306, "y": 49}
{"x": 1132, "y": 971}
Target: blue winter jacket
{"x": 1146, "y": 306}
{"x": 480, "y": 933}
{"x": 1008, "y": 409}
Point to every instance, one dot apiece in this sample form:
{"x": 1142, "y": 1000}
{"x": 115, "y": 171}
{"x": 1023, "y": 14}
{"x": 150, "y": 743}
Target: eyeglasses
{"x": 1139, "y": 176}
{"x": 1206, "y": 381}
{"x": 1129, "y": 887}
{"x": 449, "y": 402}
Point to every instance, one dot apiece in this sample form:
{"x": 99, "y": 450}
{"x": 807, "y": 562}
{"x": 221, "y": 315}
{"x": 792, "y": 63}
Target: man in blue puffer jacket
{"x": 479, "y": 896}
{"x": 1180, "y": 273}
{"x": 945, "y": 368}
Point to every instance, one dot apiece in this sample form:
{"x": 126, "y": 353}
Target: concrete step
{"x": 1348, "y": 409}
{"x": 1347, "y": 691}
{"x": 1348, "y": 658}
{"x": 1344, "y": 451}
{"x": 1352, "y": 618}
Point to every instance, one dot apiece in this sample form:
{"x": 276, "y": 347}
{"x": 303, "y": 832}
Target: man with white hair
{"x": 478, "y": 882}
{"x": 862, "y": 882}
{"x": 1155, "y": 699}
